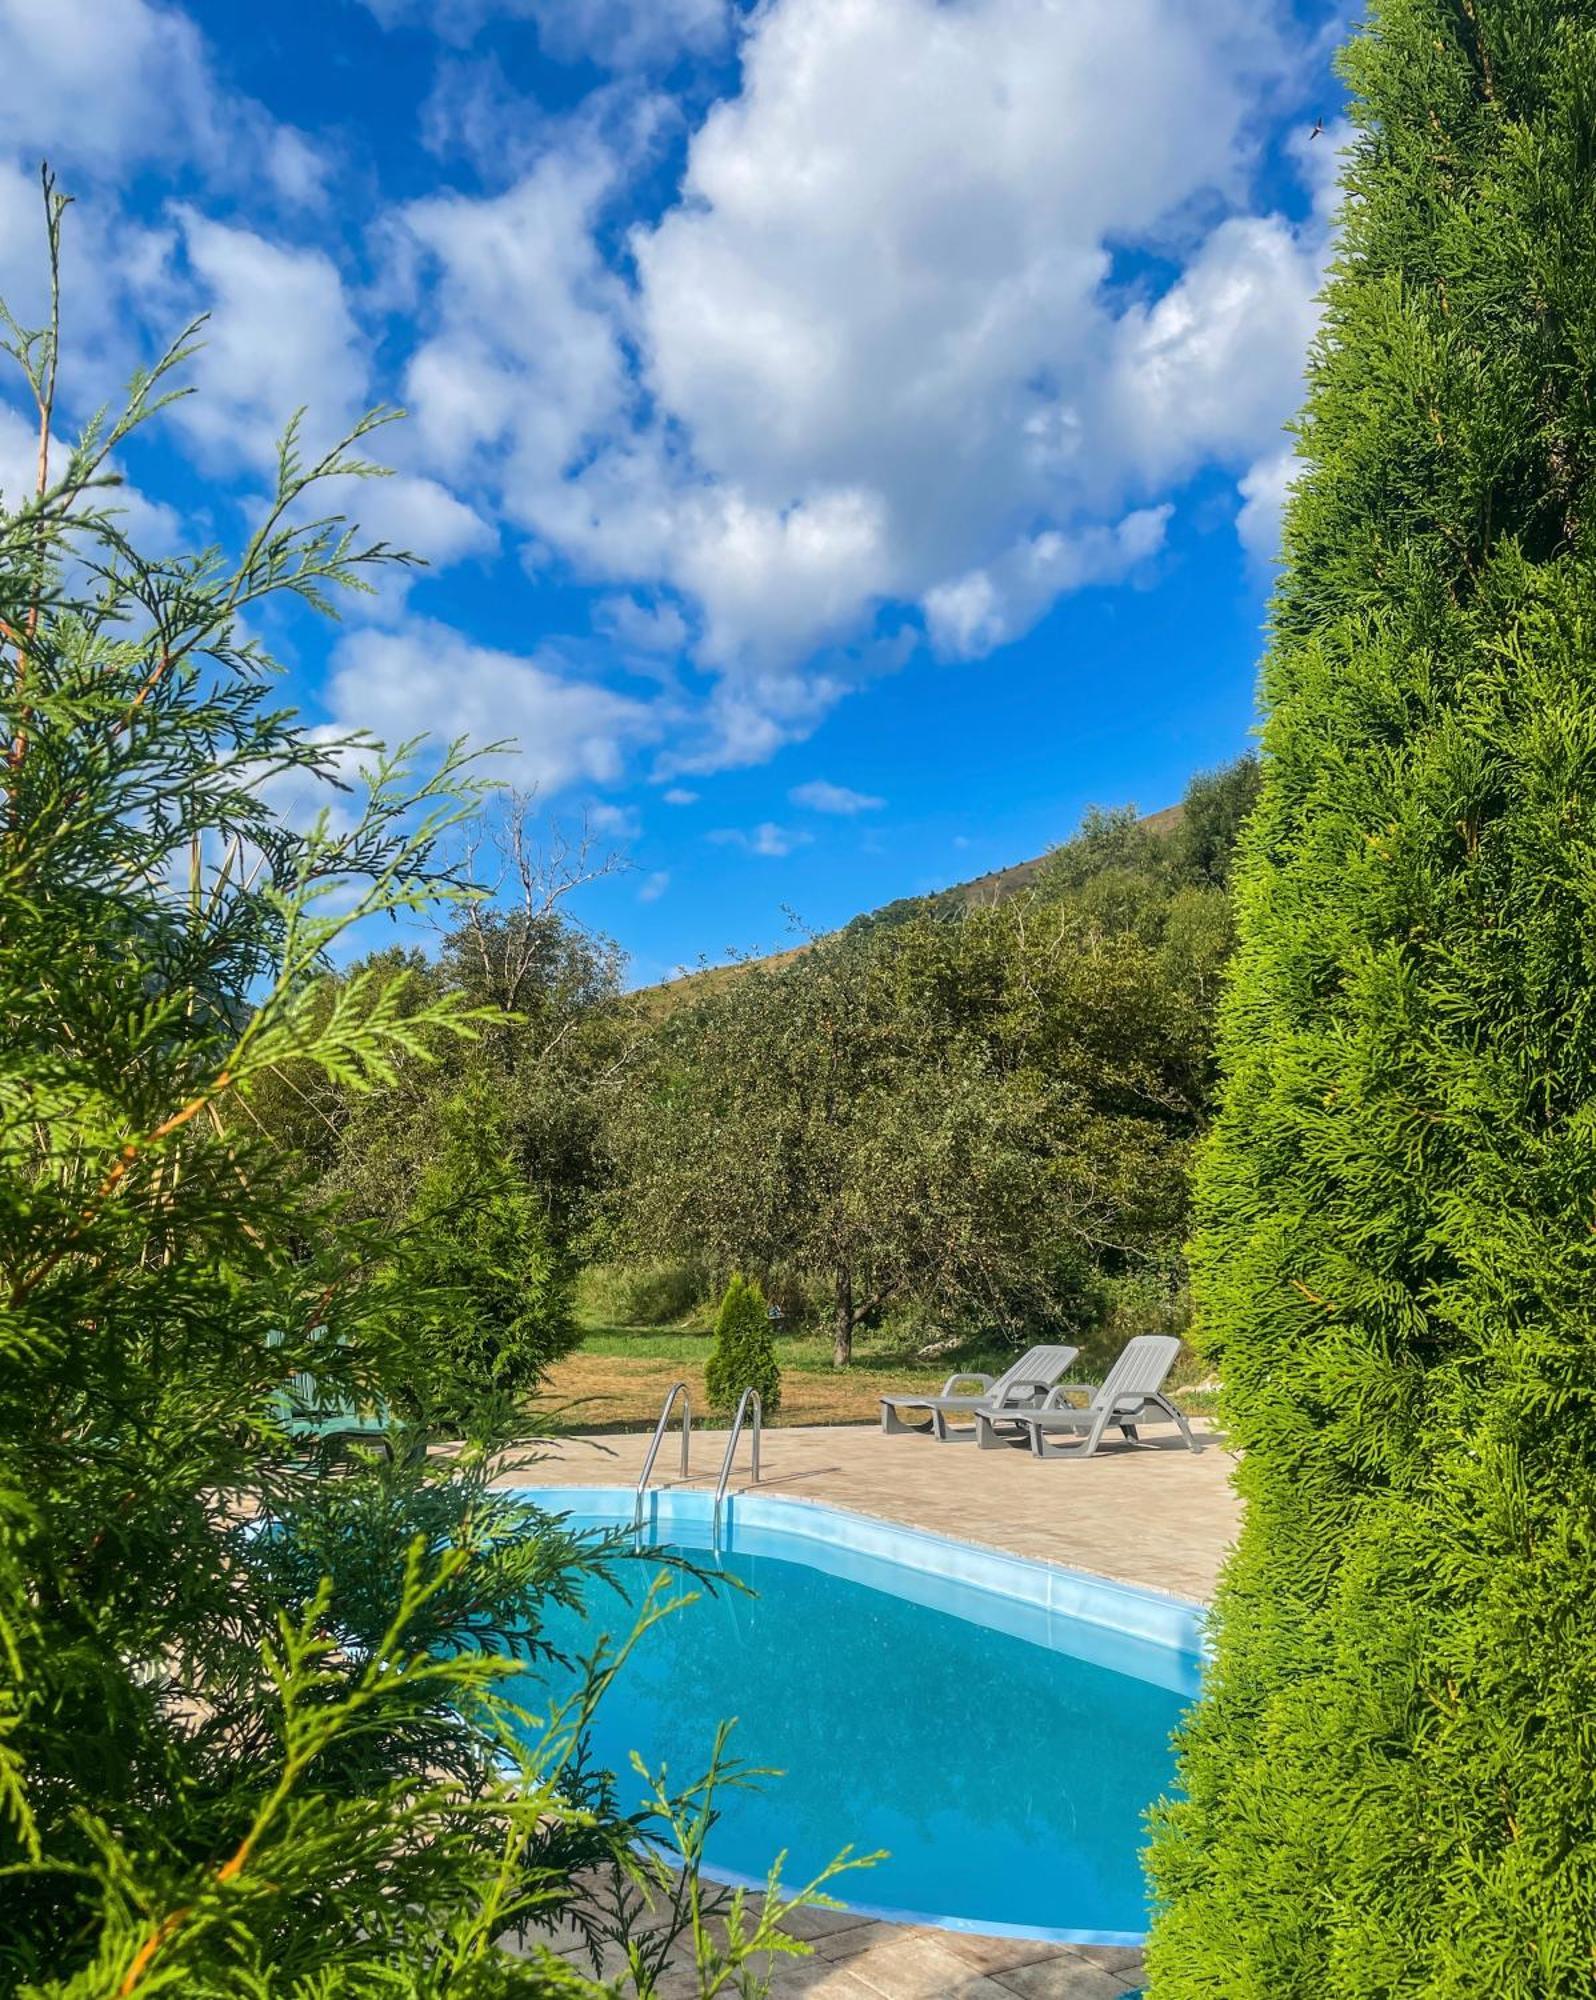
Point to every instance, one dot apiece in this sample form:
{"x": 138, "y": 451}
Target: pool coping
{"x": 1134, "y": 1610}
{"x": 1153, "y": 1617}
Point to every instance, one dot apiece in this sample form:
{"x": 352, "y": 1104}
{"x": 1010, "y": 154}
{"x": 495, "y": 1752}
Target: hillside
{"x": 993, "y": 887}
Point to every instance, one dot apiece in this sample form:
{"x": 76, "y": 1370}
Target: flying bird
{"x": 1318, "y": 127}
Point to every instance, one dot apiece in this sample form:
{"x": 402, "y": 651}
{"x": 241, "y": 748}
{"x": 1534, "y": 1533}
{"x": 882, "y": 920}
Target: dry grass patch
{"x": 607, "y": 1392}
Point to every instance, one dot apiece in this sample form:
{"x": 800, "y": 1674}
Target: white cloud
{"x": 751, "y": 715}
{"x": 976, "y": 612}
{"x": 884, "y": 282}
{"x": 774, "y": 842}
{"x": 295, "y": 165}
{"x": 642, "y": 628}
{"x": 871, "y": 355}
{"x": 1265, "y": 486}
{"x": 678, "y": 795}
{"x": 527, "y": 358}
{"x": 300, "y": 795}
{"x": 19, "y": 458}
{"x": 616, "y": 34}
{"x": 626, "y": 34}
{"x": 821, "y": 796}
{"x": 100, "y": 83}
{"x": 613, "y": 822}
{"x": 420, "y": 517}
{"x": 114, "y": 281}
{"x": 654, "y": 886}
{"x": 475, "y": 112}
{"x": 1264, "y": 489}
{"x": 21, "y": 230}
{"x": 280, "y": 334}
{"x": 1213, "y": 368}
{"x": 429, "y": 679}
{"x": 96, "y": 73}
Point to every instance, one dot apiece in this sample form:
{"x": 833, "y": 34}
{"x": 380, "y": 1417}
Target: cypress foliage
{"x": 257, "y": 1729}
{"x": 744, "y": 1356}
{"x": 1391, "y": 1779}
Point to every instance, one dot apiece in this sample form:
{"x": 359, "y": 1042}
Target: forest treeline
{"x": 968, "y": 1121}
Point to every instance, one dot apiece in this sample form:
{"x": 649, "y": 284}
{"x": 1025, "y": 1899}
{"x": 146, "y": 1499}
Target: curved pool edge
{"x": 1134, "y": 1611}
{"x": 884, "y": 1913}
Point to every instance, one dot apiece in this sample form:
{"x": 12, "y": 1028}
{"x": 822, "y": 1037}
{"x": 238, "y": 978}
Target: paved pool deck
{"x": 1155, "y": 1515}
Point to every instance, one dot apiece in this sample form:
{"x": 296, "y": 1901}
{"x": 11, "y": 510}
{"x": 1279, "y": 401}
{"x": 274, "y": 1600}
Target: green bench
{"x": 317, "y": 1418}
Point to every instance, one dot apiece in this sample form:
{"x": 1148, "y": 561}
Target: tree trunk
{"x": 842, "y": 1334}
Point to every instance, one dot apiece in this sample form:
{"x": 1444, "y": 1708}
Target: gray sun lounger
{"x": 1023, "y": 1387}
{"x": 1130, "y": 1394}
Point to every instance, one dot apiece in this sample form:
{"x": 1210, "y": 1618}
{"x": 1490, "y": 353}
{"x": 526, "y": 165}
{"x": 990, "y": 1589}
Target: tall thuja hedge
{"x": 1391, "y": 1779}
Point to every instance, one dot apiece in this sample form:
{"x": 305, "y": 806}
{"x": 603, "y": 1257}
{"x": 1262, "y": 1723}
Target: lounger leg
{"x": 1178, "y": 1416}
{"x": 1084, "y": 1449}
{"x": 892, "y": 1424}
{"x": 1094, "y": 1437}
{"x": 987, "y": 1434}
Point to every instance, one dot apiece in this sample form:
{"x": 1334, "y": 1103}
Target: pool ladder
{"x": 676, "y": 1389}
{"x": 748, "y": 1396}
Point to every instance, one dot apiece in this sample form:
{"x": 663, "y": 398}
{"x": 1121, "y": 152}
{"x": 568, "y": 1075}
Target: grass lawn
{"x": 617, "y": 1378}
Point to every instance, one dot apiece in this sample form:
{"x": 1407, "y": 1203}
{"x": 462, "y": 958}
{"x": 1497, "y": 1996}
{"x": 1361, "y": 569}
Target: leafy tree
{"x": 1387, "y": 1783}
{"x": 744, "y": 1355}
{"x": 772, "y": 1127}
{"x": 945, "y": 1113}
{"x": 474, "y": 1166}
{"x": 475, "y": 1243}
{"x": 252, "y": 1738}
{"x": 1213, "y": 814}
{"x": 550, "y": 1036}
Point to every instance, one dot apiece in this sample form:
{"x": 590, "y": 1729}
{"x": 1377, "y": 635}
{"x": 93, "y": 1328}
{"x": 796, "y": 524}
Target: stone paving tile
{"x": 995, "y": 1954}
{"x": 1062, "y": 1977}
{"x": 678, "y": 1983}
{"x": 917, "y": 1965}
{"x": 611, "y": 1964}
{"x": 818, "y": 1980}
{"x": 814, "y": 1920}
{"x": 1124, "y": 1963}
{"x": 857, "y": 1938}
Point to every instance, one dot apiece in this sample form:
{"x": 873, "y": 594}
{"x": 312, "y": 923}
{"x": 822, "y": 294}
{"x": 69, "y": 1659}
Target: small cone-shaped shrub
{"x": 744, "y": 1356}
{"x": 1390, "y": 1782}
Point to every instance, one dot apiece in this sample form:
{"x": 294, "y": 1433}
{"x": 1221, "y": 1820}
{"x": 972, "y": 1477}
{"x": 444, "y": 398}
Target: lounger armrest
{"x": 966, "y": 1375}
{"x": 1058, "y": 1398}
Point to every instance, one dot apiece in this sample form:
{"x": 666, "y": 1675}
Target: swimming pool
{"x": 999, "y": 1726}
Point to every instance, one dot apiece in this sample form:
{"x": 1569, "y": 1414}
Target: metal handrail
{"x": 749, "y": 1395}
{"x": 676, "y": 1389}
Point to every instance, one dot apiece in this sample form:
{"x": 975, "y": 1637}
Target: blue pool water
{"x": 1003, "y": 1755}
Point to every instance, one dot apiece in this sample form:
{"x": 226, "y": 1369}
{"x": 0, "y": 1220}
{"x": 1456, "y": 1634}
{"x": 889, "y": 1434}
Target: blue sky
{"x": 846, "y": 434}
